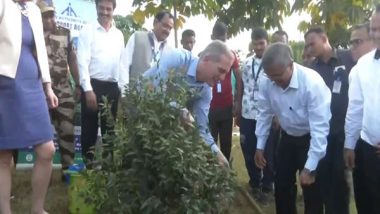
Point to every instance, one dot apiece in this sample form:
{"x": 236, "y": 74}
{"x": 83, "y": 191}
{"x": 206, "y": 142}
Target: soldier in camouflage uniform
{"x": 61, "y": 58}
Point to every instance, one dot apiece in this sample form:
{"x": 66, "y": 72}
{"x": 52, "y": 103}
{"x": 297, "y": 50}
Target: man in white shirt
{"x": 301, "y": 100}
{"x": 260, "y": 181}
{"x": 144, "y": 48}
{"x": 362, "y": 145}
{"x": 99, "y": 53}
{"x": 360, "y": 42}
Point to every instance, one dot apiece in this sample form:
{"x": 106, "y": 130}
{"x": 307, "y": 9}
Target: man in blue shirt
{"x": 333, "y": 65}
{"x": 201, "y": 74}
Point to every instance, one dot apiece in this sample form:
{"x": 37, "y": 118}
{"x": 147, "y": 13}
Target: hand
{"x": 306, "y": 178}
{"x": 222, "y": 160}
{"x": 378, "y": 149}
{"x": 275, "y": 123}
{"x": 237, "y": 110}
{"x": 260, "y": 159}
{"x": 237, "y": 121}
{"x": 91, "y": 100}
{"x": 186, "y": 118}
{"x": 52, "y": 100}
{"x": 78, "y": 94}
{"x": 349, "y": 158}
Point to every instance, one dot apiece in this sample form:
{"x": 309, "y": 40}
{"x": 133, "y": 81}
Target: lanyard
{"x": 154, "y": 53}
{"x": 253, "y": 71}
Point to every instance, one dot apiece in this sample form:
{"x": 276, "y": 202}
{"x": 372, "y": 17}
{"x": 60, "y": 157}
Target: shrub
{"x": 158, "y": 166}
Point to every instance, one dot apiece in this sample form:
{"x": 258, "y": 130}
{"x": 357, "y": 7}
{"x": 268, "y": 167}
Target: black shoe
{"x": 266, "y": 198}
{"x": 255, "y": 192}
{"x": 230, "y": 162}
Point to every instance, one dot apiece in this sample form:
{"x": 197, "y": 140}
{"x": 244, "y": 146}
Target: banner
{"x": 27, "y": 156}
{"x": 74, "y": 14}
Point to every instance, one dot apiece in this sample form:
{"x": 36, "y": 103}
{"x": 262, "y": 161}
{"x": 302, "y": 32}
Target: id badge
{"x": 219, "y": 87}
{"x": 255, "y": 92}
{"x": 336, "y": 87}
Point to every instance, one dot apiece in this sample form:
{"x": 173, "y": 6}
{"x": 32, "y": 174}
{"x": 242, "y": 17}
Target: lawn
{"x": 57, "y": 198}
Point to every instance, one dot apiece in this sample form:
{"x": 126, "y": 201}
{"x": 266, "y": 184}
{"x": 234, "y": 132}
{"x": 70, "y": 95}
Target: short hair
{"x": 215, "y": 50}
{"x": 112, "y": 1}
{"x": 281, "y": 33}
{"x": 259, "y": 33}
{"x": 317, "y": 30}
{"x": 219, "y": 29}
{"x": 188, "y": 33}
{"x": 364, "y": 26}
{"x": 160, "y": 15}
{"x": 277, "y": 54}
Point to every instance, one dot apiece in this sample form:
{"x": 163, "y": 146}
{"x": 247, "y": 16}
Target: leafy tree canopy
{"x": 335, "y": 16}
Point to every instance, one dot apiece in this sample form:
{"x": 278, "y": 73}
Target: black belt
{"x": 302, "y": 137}
{"x": 102, "y": 82}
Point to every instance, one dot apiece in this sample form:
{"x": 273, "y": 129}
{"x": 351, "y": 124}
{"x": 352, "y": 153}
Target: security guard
{"x": 62, "y": 61}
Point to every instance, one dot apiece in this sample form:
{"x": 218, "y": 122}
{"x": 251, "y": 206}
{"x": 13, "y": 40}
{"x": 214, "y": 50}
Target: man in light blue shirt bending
{"x": 201, "y": 74}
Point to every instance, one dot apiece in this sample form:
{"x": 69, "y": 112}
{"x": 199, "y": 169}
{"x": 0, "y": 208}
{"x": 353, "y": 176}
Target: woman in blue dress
{"x": 25, "y": 93}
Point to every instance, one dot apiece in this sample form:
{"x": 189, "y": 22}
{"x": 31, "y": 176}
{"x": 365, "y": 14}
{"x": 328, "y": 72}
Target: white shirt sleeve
{"x": 319, "y": 101}
{"x": 126, "y": 60}
{"x": 265, "y": 114}
{"x": 84, "y": 57}
{"x": 2, "y": 8}
{"x": 123, "y": 72}
{"x": 354, "y": 116}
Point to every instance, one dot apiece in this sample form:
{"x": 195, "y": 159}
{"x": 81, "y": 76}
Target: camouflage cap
{"x": 46, "y": 5}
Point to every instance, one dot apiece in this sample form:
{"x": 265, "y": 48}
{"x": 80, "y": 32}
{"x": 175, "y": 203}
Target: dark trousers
{"x": 15, "y": 156}
{"x": 257, "y": 178}
{"x": 366, "y": 177}
{"x": 220, "y": 122}
{"x": 291, "y": 157}
{"x": 89, "y": 118}
{"x": 332, "y": 177}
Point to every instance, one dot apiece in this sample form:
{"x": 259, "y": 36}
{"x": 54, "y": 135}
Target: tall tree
{"x": 181, "y": 8}
{"x": 335, "y": 16}
{"x": 237, "y": 14}
{"x": 245, "y": 14}
{"x": 127, "y": 25}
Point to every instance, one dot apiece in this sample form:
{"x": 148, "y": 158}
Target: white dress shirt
{"x": 302, "y": 108}
{"x": 363, "y": 113}
{"x": 249, "y": 102}
{"x": 128, "y": 51}
{"x": 99, "y": 55}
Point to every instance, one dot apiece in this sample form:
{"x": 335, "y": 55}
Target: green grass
{"x": 57, "y": 198}
{"x": 56, "y": 201}
{"x": 242, "y": 177}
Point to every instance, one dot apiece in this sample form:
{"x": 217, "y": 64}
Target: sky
{"x": 203, "y": 27}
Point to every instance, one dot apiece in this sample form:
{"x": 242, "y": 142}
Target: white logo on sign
{"x": 29, "y": 157}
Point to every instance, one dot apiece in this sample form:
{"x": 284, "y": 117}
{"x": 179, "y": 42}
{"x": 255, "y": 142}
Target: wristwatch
{"x": 311, "y": 172}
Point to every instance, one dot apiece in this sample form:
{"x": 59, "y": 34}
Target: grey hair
{"x": 215, "y": 50}
{"x": 277, "y": 54}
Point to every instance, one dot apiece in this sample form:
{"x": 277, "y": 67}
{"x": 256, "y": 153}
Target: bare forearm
{"x": 73, "y": 64}
{"x": 47, "y": 86}
{"x": 239, "y": 90}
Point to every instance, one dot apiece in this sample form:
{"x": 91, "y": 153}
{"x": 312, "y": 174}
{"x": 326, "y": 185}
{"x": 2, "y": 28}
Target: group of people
{"x": 318, "y": 118}
{"x": 327, "y": 119}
